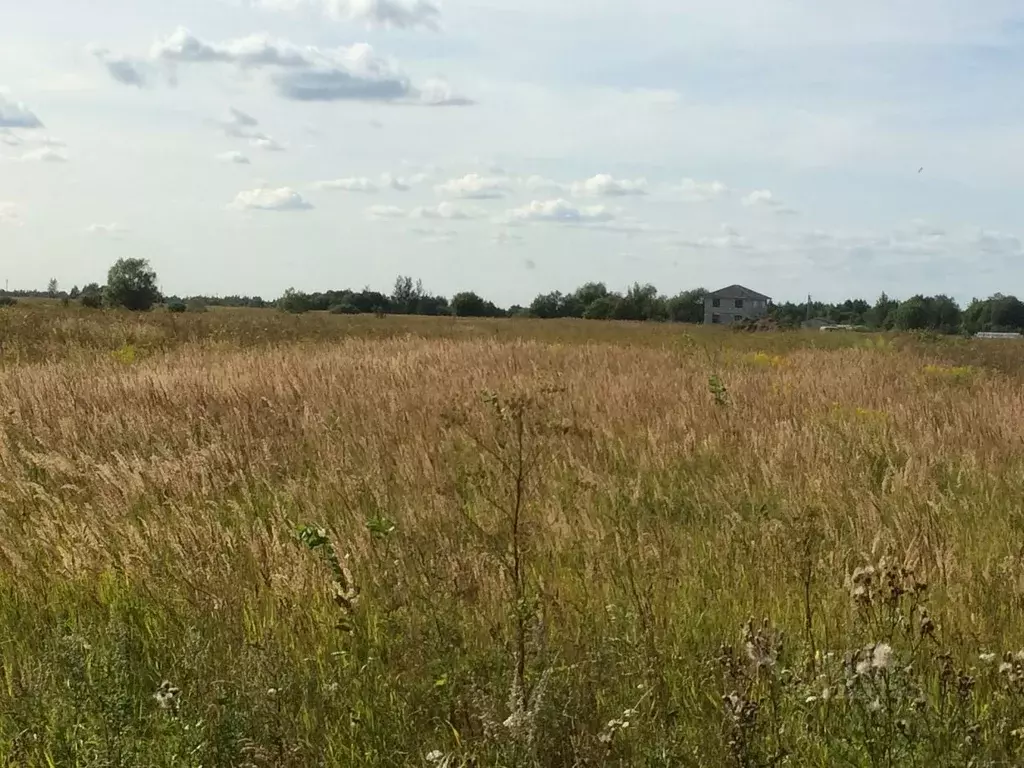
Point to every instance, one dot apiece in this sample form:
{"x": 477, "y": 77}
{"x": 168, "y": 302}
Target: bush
{"x": 92, "y": 300}
{"x": 344, "y": 309}
{"x": 176, "y": 306}
{"x": 7, "y": 301}
{"x": 196, "y": 305}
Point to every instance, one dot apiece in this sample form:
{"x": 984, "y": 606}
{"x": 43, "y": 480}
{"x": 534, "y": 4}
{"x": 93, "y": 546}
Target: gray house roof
{"x": 738, "y": 292}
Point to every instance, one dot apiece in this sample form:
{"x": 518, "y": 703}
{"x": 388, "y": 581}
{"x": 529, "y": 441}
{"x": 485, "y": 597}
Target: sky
{"x": 514, "y": 147}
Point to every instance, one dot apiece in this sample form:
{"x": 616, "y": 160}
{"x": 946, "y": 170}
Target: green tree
{"x": 945, "y": 314}
{"x": 602, "y": 308}
{"x": 131, "y": 284}
{"x": 547, "y": 305}
{"x": 883, "y": 314}
{"x": 406, "y": 295}
{"x": 914, "y": 314}
{"x": 91, "y": 296}
{"x": 687, "y": 307}
{"x": 52, "y": 288}
{"x": 294, "y": 301}
{"x": 468, "y": 304}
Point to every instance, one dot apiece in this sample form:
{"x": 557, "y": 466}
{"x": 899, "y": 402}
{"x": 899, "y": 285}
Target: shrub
{"x": 7, "y": 301}
{"x": 196, "y": 305}
{"x": 344, "y": 308}
{"x": 176, "y": 306}
{"x": 92, "y": 300}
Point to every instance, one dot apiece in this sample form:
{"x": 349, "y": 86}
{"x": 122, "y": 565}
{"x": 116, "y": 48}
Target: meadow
{"x": 243, "y": 538}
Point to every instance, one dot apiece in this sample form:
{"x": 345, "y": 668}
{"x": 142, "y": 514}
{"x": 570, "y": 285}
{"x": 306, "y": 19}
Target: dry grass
{"x": 155, "y": 472}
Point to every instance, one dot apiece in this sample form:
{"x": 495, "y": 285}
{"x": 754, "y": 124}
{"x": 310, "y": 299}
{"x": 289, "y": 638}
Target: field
{"x": 239, "y": 538}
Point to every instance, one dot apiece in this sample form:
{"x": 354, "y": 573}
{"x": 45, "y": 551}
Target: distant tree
{"x": 294, "y": 301}
{"x": 945, "y": 314}
{"x": 547, "y": 305}
{"x": 913, "y": 314}
{"x": 432, "y": 305}
{"x": 53, "y": 288}
{"x": 406, "y": 295}
{"x": 602, "y": 308}
{"x": 468, "y": 304}
{"x": 176, "y": 305}
{"x": 883, "y": 314}
{"x": 74, "y": 293}
{"x": 687, "y": 307}
{"x": 131, "y": 284}
{"x": 91, "y": 296}
{"x": 588, "y": 293}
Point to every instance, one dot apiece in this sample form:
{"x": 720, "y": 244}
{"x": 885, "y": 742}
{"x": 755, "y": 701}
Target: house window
{"x": 737, "y": 318}
{"x": 739, "y": 303}
{"x": 716, "y": 302}
{"x": 716, "y": 318}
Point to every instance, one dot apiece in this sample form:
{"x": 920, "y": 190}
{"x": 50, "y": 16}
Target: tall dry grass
{"x": 168, "y": 512}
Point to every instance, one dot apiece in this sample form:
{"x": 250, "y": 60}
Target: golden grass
{"x": 148, "y": 502}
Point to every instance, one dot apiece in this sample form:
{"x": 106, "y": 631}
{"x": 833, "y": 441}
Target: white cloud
{"x": 765, "y": 198}
{"x": 560, "y": 211}
{"x": 504, "y": 237}
{"x": 729, "y": 239}
{"x": 355, "y": 184}
{"x": 993, "y": 243}
{"x": 181, "y": 46}
{"x": 304, "y": 73}
{"x": 605, "y": 185}
{"x": 233, "y": 157}
{"x": 124, "y": 69}
{"x": 385, "y": 212}
{"x": 438, "y": 93}
{"x": 433, "y": 235}
{"x": 541, "y": 184}
{"x": 445, "y": 210}
{"x": 238, "y": 117}
{"x": 268, "y": 143}
{"x": 702, "y": 191}
{"x": 399, "y": 14}
{"x": 111, "y": 230}
{"x": 400, "y": 184}
{"x": 266, "y": 199}
{"x": 44, "y": 155}
{"x": 475, "y": 187}
{"x": 9, "y": 213}
{"x": 15, "y": 114}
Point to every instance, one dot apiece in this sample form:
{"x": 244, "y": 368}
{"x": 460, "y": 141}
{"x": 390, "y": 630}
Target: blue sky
{"x": 515, "y": 146}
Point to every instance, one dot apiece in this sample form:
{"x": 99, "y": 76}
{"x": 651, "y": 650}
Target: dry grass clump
{"x": 275, "y": 541}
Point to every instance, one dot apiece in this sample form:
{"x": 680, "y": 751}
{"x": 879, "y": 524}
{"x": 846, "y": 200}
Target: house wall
{"x": 729, "y": 313}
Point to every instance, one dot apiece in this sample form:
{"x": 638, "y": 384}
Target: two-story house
{"x": 734, "y": 304}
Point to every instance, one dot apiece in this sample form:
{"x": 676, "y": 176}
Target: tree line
{"x": 132, "y": 284}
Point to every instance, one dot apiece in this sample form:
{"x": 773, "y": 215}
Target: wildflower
{"x": 1005, "y": 668}
{"x": 272, "y": 692}
{"x": 435, "y": 756}
{"x": 881, "y": 657}
{"x": 875, "y": 705}
{"x": 810, "y": 699}
{"x": 987, "y": 658}
{"x": 167, "y": 696}
{"x": 863, "y": 666}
